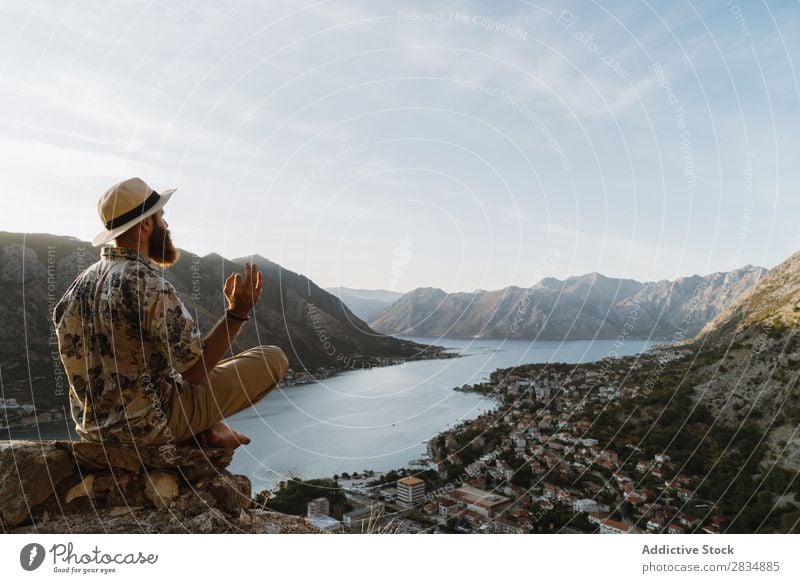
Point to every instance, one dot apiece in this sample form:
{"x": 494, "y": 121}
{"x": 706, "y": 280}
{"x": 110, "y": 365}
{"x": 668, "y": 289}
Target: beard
{"x": 160, "y": 247}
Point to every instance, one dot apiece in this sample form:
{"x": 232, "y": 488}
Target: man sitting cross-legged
{"x": 138, "y": 369}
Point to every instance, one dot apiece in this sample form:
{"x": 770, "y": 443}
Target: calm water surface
{"x": 380, "y": 418}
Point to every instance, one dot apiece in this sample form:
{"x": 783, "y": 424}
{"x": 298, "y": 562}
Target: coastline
{"x": 60, "y": 415}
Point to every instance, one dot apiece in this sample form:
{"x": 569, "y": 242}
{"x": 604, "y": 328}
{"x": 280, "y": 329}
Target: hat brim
{"x": 105, "y": 236}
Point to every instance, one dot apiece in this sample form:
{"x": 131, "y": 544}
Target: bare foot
{"x": 221, "y": 435}
{"x": 198, "y": 440}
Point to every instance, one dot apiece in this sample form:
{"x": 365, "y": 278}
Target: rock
{"x": 123, "y": 510}
{"x": 114, "y": 488}
{"x": 161, "y": 489}
{"x": 277, "y": 523}
{"x": 195, "y": 502}
{"x": 84, "y": 488}
{"x": 245, "y": 488}
{"x": 80, "y": 488}
{"x": 231, "y": 494}
{"x": 29, "y": 472}
{"x": 208, "y": 522}
{"x": 192, "y": 462}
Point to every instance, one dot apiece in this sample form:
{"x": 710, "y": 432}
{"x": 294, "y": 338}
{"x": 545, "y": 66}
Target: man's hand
{"x": 243, "y": 295}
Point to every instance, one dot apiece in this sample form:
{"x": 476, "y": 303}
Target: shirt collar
{"x": 112, "y": 253}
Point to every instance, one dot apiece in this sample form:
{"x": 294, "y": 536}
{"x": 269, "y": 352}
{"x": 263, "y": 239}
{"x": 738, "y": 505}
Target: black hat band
{"x": 135, "y": 212}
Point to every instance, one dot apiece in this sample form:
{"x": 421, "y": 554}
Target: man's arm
{"x": 241, "y": 299}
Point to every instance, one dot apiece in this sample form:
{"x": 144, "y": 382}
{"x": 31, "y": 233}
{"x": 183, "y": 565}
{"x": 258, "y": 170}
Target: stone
{"x": 108, "y": 482}
{"x": 195, "y": 502}
{"x": 191, "y": 462}
{"x": 161, "y": 489}
{"x": 83, "y": 488}
{"x": 30, "y": 472}
{"x": 245, "y": 488}
{"x": 210, "y": 521}
{"x": 231, "y": 494}
{"x": 123, "y": 510}
{"x": 110, "y": 490}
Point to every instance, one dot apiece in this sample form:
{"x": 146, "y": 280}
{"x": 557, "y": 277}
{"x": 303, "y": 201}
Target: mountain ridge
{"x": 586, "y": 306}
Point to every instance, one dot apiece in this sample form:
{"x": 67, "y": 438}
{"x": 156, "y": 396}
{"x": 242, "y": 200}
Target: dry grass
{"x": 372, "y": 524}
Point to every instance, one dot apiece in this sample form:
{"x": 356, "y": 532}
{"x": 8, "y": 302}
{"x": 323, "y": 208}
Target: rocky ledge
{"x": 84, "y": 487}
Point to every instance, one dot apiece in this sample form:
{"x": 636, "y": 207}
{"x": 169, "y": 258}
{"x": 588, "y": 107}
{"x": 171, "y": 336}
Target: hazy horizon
{"x": 326, "y": 287}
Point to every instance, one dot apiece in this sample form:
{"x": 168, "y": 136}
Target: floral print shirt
{"x": 124, "y": 337}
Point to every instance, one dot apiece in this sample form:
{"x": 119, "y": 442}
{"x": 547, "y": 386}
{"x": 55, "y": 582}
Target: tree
{"x": 294, "y": 498}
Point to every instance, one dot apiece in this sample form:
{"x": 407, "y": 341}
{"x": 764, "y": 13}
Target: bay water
{"x": 381, "y": 418}
{"x": 374, "y": 419}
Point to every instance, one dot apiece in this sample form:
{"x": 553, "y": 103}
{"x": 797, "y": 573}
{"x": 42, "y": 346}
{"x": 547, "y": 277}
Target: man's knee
{"x": 275, "y": 359}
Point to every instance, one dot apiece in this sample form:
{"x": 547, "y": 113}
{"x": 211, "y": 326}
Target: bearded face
{"x": 160, "y": 247}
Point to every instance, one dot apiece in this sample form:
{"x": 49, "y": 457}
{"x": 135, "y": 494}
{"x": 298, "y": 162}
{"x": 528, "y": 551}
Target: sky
{"x": 394, "y": 145}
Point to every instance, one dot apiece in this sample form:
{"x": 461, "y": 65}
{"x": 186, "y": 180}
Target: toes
{"x": 229, "y": 439}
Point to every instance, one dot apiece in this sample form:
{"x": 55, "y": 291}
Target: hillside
{"x": 698, "y": 436}
{"x": 725, "y": 406}
{"x": 312, "y": 327}
{"x": 752, "y": 363}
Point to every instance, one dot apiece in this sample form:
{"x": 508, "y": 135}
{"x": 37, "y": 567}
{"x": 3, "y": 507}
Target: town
{"x": 533, "y": 466}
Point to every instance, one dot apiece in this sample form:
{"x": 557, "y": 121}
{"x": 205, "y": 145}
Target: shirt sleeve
{"x": 175, "y": 329}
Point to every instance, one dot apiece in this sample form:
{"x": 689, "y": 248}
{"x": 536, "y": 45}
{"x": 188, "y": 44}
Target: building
{"x": 480, "y": 502}
{"x": 542, "y": 393}
{"x": 550, "y": 491}
{"x": 447, "y": 507}
{"x": 597, "y": 517}
{"x": 410, "y": 491}
{"x": 319, "y": 505}
{"x": 611, "y": 526}
{"x": 508, "y": 526}
{"x": 389, "y": 494}
{"x": 364, "y": 518}
{"x": 324, "y": 522}
{"x": 588, "y": 505}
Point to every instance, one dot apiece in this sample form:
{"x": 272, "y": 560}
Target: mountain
{"x": 704, "y": 430}
{"x": 580, "y": 307}
{"x": 751, "y": 357}
{"x": 365, "y": 303}
{"x": 775, "y": 300}
{"x": 725, "y": 405}
{"x": 312, "y": 327}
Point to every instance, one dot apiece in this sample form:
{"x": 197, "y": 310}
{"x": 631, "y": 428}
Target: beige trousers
{"x": 234, "y": 384}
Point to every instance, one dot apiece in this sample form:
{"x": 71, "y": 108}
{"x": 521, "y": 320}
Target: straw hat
{"x": 126, "y": 204}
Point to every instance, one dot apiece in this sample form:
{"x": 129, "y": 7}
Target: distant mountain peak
{"x": 587, "y": 306}
{"x": 427, "y": 290}
{"x": 256, "y": 258}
